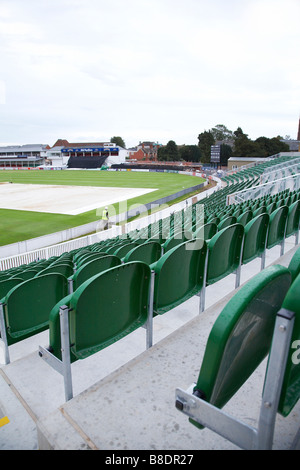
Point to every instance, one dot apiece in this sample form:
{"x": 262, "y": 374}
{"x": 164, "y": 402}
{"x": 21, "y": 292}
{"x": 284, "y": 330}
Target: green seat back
{"x": 290, "y": 392}
{"x": 157, "y": 238}
{"x": 111, "y": 249}
{"x": 147, "y": 253}
{"x": 224, "y": 252}
{"x": 7, "y": 284}
{"x": 237, "y": 212}
{"x": 104, "y": 309}
{"x": 27, "y": 274}
{"x": 64, "y": 269}
{"x": 123, "y": 250}
{"x": 38, "y": 267}
{"x": 277, "y": 226}
{"x": 141, "y": 241}
{"x": 99, "y": 251}
{"x": 255, "y": 237}
{"x": 62, "y": 260}
{"x": 94, "y": 267}
{"x": 28, "y": 305}
{"x": 82, "y": 252}
{"x": 213, "y": 219}
{"x": 83, "y": 257}
{"x": 271, "y": 207}
{"x": 52, "y": 258}
{"x": 294, "y": 264}
{"x": 260, "y": 210}
{"x": 244, "y": 218}
{"x": 293, "y": 219}
{"x": 226, "y": 222}
{"x": 207, "y": 231}
{"x": 86, "y": 259}
{"x": 241, "y": 336}
{"x": 179, "y": 275}
{"x": 173, "y": 241}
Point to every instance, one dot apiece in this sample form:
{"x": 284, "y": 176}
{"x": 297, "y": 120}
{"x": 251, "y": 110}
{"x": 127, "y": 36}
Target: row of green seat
{"x": 212, "y": 213}
{"x": 178, "y": 274}
{"x": 191, "y": 220}
{"x": 188, "y": 268}
{"x": 130, "y": 296}
{"x": 121, "y": 248}
{"x": 253, "y": 246}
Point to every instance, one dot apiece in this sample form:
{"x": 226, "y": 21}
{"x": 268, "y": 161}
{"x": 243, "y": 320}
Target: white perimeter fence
{"x": 28, "y": 255}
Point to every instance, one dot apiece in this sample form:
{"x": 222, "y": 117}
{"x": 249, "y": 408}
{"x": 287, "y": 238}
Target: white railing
{"x": 115, "y": 230}
{"x": 280, "y": 171}
{"x": 273, "y": 187}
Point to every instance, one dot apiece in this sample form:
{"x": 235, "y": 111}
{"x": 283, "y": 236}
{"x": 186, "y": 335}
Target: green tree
{"x": 205, "y": 141}
{"x": 190, "y": 153}
{"x": 220, "y": 132}
{"x": 226, "y": 153}
{"x": 118, "y": 141}
{"x": 261, "y": 147}
{"x": 271, "y": 146}
{"x": 239, "y": 134}
{"x": 245, "y": 147}
{"x": 161, "y": 153}
{"x": 169, "y": 152}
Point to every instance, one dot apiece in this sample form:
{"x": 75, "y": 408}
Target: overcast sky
{"x": 158, "y": 70}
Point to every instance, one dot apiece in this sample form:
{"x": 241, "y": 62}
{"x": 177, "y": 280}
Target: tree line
{"x": 233, "y": 144}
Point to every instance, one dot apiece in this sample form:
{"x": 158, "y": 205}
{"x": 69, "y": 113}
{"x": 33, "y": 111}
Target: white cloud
{"x": 147, "y": 70}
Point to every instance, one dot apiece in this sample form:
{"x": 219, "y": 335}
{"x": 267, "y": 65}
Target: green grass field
{"x": 22, "y": 225}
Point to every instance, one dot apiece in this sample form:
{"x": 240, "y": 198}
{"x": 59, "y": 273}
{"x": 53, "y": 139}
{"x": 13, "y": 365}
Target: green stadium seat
{"x": 213, "y": 219}
{"x": 255, "y": 239}
{"x": 91, "y": 268}
{"x": 271, "y": 207}
{"x": 26, "y": 274}
{"x": 277, "y": 228}
{"x": 224, "y": 256}
{"x": 237, "y": 212}
{"x": 25, "y": 310}
{"x": 206, "y": 232}
{"x": 123, "y": 250}
{"x": 4, "y": 275}
{"x": 81, "y": 253}
{"x": 262, "y": 317}
{"x": 65, "y": 269}
{"x": 293, "y": 220}
{"x": 245, "y": 217}
{"x": 100, "y": 312}
{"x": 290, "y": 392}
{"x": 179, "y": 274}
{"x": 226, "y": 222}
{"x": 294, "y": 264}
{"x": 260, "y": 210}
{"x": 111, "y": 249}
{"x": 280, "y": 203}
{"x": 148, "y": 253}
{"x": 7, "y": 284}
{"x": 86, "y": 259}
{"x": 173, "y": 241}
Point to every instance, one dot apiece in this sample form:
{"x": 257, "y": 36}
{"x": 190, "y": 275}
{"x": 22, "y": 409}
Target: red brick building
{"x": 145, "y": 151}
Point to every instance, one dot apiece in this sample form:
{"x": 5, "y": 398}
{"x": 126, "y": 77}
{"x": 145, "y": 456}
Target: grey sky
{"x": 86, "y": 70}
